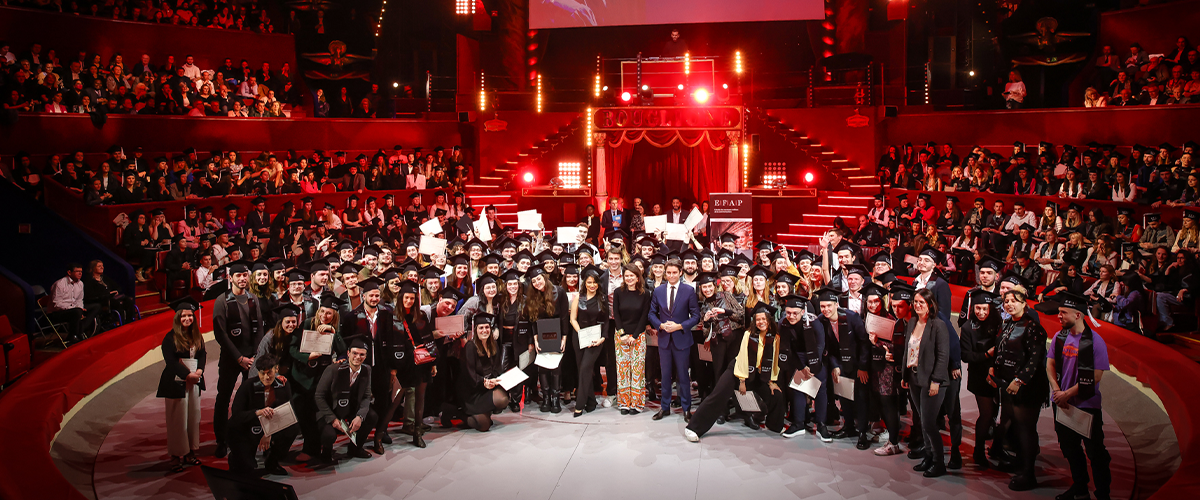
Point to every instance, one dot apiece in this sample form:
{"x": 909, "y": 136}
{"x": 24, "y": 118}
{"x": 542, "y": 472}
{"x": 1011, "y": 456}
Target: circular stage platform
{"x": 535, "y": 455}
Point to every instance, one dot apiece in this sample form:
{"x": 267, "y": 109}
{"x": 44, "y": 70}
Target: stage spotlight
{"x": 527, "y": 177}
{"x": 725, "y": 86}
{"x": 701, "y": 95}
{"x": 645, "y": 88}
{"x": 722, "y": 94}
{"x": 808, "y": 177}
{"x": 625, "y": 97}
{"x": 646, "y": 95}
{"x": 680, "y": 86}
{"x": 395, "y": 84}
{"x": 971, "y": 73}
{"x": 605, "y": 88}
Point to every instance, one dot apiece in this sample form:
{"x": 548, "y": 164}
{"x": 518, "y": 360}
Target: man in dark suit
{"x": 258, "y": 222}
{"x": 674, "y": 311}
{"x": 256, "y": 399}
{"x": 615, "y": 217}
{"x": 343, "y": 398}
{"x": 593, "y": 224}
{"x": 372, "y": 322}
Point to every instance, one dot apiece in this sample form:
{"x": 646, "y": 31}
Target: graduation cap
{"x": 257, "y": 200}
{"x": 511, "y": 275}
{"x": 952, "y": 198}
{"x": 1019, "y": 146}
{"x": 989, "y": 262}
{"x": 571, "y": 270}
{"x": 688, "y": 254}
{"x": 1153, "y": 217}
{"x": 658, "y": 259}
{"x": 306, "y": 199}
{"x": 1076, "y": 207}
{"x": 482, "y": 318}
{"x": 1166, "y": 146}
{"x": 1129, "y": 247}
{"x": 408, "y": 286}
{"x": 758, "y": 270}
{"x": 705, "y": 278}
{"x": 260, "y": 266}
{"x": 795, "y": 301}
{"x": 902, "y": 196}
{"x": 464, "y": 225}
{"x": 1191, "y": 144}
{"x": 1072, "y": 300}
{"x": 767, "y": 245}
{"x": 523, "y": 255}
{"x": 370, "y": 284}
{"x": 350, "y": 268}
{"x": 286, "y": 311}
{"x": 430, "y": 272}
{"x": 317, "y": 266}
{"x": 985, "y": 297}
{"x": 329, "y": 301}
{"x": 240, "y": 266}
{"x": 1189, "y": 214}
{"x": 534, "y": 272}
{"x": 230, "y": 207}
{"x": 882, "y": 256}
{"x": 330, "y": 206}
{"x": 785, "y": 277}
{"x": 566, "y": 258}
{"x": 1126, "y": 211}
{"x": 859, "y": 270}
{"x": 1015, "y": 280}
{"x": 728, "y": 270}
{"x": 592, "y": 271}
{"x": 924, "y": 196}
{"x": 763, "y": 307}
{"x": 414, "y": 195}
{"x": 616, "y": 235}
{"x": 295, "y": 276}
{"x": 851, "y": 247}
{"x": 185, "y": 303}
{"x": 803, "y": 255}
{"x": 1027, "y": 227}
{"x": 371, "y": 250}
{"x": 827, "y": 295}
{"x": 742, "y": 261}
{"x": 903, "y": 291}
{"x": 933, "y": 253}
{"x": 439, "y": 212}
{"x": 728, "y": 238}
{"x": 871, "y": 289}
{"x": 546, "y": 256}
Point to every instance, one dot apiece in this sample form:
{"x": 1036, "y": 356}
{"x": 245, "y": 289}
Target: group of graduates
{"x": 763, "y": 324}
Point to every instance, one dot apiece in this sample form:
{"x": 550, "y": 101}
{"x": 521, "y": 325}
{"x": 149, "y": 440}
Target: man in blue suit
{"x": 674, "y": 311}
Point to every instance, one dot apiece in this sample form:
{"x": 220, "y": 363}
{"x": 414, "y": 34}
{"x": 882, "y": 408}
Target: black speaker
{"x": 891, "y": 111}
{"x": 463, "y": 117}
{"x": 755, "y": 143}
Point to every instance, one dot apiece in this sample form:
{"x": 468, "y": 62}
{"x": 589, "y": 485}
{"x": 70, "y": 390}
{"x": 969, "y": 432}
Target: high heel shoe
{"x": 577, "y": 413}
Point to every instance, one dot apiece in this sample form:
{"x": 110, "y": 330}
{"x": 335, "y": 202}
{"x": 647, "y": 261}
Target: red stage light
{"x": 625, "y": 96}
{"x": 808, "y": 177}
{"x": 701, "y": 96}
{"x": 528, "y": 177}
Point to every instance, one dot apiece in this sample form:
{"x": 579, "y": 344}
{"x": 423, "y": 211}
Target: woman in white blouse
{"x": 1014, "y": 91}
{"x": 1122, "y": 189}
{"x": 1071, "y": 187}
{"x": 372, "y": 213}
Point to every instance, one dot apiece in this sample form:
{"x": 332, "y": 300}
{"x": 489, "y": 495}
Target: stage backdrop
{"x": 732, "y": 213}
{"x": 660, "y": 165}
{"x": 572, "y": 14}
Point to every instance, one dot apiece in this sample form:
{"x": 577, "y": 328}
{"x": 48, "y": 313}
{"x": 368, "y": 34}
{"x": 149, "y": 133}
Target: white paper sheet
{"x": 524, "y": 359}
{"x": 432, "y": 246}
{"x": 511, "y": 378}
{"x": 346, "y": 432}
{"x": 431, "y": 227}
{"x": 844, "y": 387}
{"x": 483, "y": 231}
{"x": 312, "y": 341}
{"x": 882, "y": 327}
{"x": 677, "y": 232}
{"x": 284, "y": 417}
{"x": 747, "y": 401}
{"x": 808, "y": 387}
{"x": 589, "y": 335}
{"x": 655, "y": 223}
{"x": 529, "y": 220}
{"x": 693, "y": 219}
{"x": 450, "y": 325}
{"x": 191, "y": 364}
{"x": 1075, "y": 419}
{"x": 548, "y": 360}
{"x": 569, "y": 234}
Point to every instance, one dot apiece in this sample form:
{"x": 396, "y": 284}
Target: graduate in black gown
{"x": 478, "y": 388}
{"x": 255, "y": 399}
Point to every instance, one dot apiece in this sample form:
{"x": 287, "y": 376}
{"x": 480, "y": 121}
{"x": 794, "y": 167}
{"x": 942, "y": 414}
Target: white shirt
{"x": 191, "y": 71}
{"x": 203, "y": 278}
{"x": 854, "y": 303}
{"x": 65, "y": 294}
{"x": 354, "y": 374}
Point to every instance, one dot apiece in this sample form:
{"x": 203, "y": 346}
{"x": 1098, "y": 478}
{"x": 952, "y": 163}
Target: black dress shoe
{"x": 514, "y": 406}
{"x": 1073, "y": 494}
{"x": 222, "y": 450}
{"x": 924, "y": 465}
{"x": 937, "y": 470}
{"x": 721, "y": 419}
{"x": 418, "y": 441}
{"x": 955, "y": 462}
{"x": 356, "y": 452}
{"x": 845, "y": 432}
{"x": 577, "y": 413}
{"x": 863, "y": 442}
{"x": 633, "y": 411}
{"x": 378, "y": 448}
{"x": 385, "y": 439}
{"x": 749, "y": 422}
{"x": 661, "y": 413}
{"x": 274, "y": 470}
{"x": 1022, "y": 482}
{"x": 915, "y": 453}
{"x": 676, "y": 404}
{"x": 687, "y": 416}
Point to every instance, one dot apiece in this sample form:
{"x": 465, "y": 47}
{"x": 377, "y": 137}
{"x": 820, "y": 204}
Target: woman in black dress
{"x": 181, "y": 382}
{"x": 415, "y": 329}
{"x": 590, "y": 308}
{"x": 979, "y": 334}
{"x": 478, "y": 388}
{"x": 1020, "y": 373}
{"x": 135, "y": 239}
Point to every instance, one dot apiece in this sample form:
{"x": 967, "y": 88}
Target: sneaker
{"x": 888, "y": 450}
{"x": 823, "y": 433}
{"x": 793, "y": 431}
{"x": 691, "y": 436}
{"x": 606, "y": 402}
{"x": 883, "y": 437}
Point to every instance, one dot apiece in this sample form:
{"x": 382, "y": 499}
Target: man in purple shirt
{"x": 1075, "y": 362}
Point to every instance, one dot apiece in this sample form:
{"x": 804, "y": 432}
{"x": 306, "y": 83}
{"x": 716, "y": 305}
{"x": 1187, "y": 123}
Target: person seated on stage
{"x": 479, "y": 388}
{"x": 343, "y": 400}
{"x": 255, "y": 400}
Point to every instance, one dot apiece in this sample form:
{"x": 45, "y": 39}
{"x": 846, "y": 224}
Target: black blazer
{"x": 251, "y": 397}
{"x": 360, "y": 393}
{"x": 934, "y": 357}
{"x": 168, "y": 387}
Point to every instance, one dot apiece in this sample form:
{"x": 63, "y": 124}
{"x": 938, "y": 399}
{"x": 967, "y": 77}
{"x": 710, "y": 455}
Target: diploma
{"x": 677, "y": 232}
{"x": 529, "y": 220}
{"x": 315, "y": 342}
{"x": 880, "y": 326}
{"x": 1075, "y": 419}
{"x": 568, "y": 234}
{"x": 523, "y": 360}
{"x": 808, "y": 387}
{"x": 346, "y": 431}
{"x": 548, "y": 360}
{"x": 844, "y": 387}
{"x": 482, "y": 230}
{"x": 191, "y": 364}
{"x": 655, "y": 223}
{"x": 283, "y": 418}
{"x": 511, "y": 378}
{"x": 450, "y": 325}
{"x": 589, "y": 335}
{"x": 432, "y": 246}
{"x": 431, "y": 227}
{"x": 747, "y": 401}
{"x": 693, "y": 219}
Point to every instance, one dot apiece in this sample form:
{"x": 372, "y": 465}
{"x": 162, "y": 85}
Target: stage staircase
{"x": 808, "y": 228}
{"x": 854, "y": 179}
{"x": 498, "y": 187}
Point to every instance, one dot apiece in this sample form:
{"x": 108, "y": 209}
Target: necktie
{"x": 671, "y": 300}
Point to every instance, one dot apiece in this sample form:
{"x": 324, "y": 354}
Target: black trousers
{"x": 305, "y": 408}
{"x": 928, "y": 406}
{"x": 75, "y": 319}
{"x": 1021, "y": 421}
{"x": 228, "y": 371}
{"x": 855, "y": 412}
{"x": 716, "y": 404}
{"x": 585, "y": 363}
{"x": 952, "y": 407}
{"x": 800, "y": 401}
{"x": 381, "y": 389}
{"x": 773, "y": 405}
{"x": 243, "y": 445}
{"x": 329, "y": 434}
{"x": 1078, "y": 450}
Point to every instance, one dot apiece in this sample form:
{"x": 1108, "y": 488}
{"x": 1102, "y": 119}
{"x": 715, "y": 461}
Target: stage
{"x": 542, "y": 455}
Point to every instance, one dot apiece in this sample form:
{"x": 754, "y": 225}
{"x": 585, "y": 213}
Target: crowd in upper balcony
{"x": 220, "y": 14}
{"x": 1143, "y": 78}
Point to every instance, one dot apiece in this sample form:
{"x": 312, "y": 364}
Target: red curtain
{"x": 640, "y": 168}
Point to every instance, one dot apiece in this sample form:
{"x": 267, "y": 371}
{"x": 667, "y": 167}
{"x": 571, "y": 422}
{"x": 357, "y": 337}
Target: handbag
{"x": 425, "y": 353}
